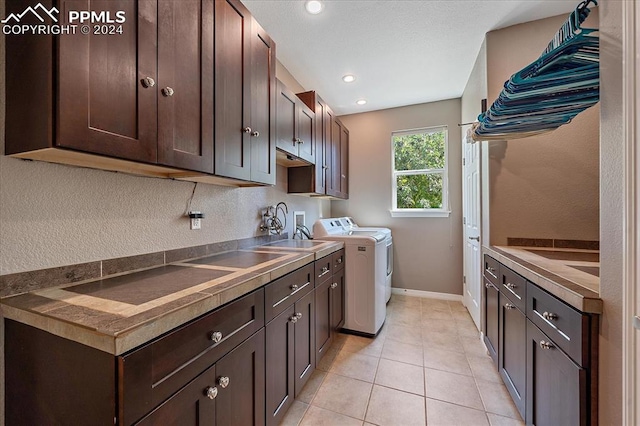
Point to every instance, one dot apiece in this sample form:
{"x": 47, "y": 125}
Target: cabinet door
{"x": 337, "y": 300}
{"x": 279, "y": 357}
{"x": 512, "y": 359}
{"x": 556, "y": 386}
{"x": 185, "y": 84}
{"x": 242, "y": 401}
{"x": 344, "y": 162}
{"x": 286, "y": 120}
{"x": 321, "y": 119}
{"x": 263, "y": 106}
{"x": 306, "y": 138}
{"x": 195, "y": 404}
{"x": 232, "y": 90}
{"x": 492, "y": 319}
{"x": 333, "y": 184}
{"x": 103, "y": 107}
{"x": 323, "y": 319}
{"x": 304, "y": 341}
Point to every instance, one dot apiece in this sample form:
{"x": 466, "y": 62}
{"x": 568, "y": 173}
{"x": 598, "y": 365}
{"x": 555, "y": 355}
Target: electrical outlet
{"x": 196, "y": 223}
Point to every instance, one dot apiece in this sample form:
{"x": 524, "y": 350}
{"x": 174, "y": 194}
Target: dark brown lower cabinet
{"x": 280, "y": 374}
{"x": 512, "y": 359}
{"x": 304, "y": 341}
{"x": 227, "y": 393}
{"x": 492, "y": 319}
{"x": 323, "y": 319}
{"x": 556, "y": 386}
{"x": 337, "y": 300}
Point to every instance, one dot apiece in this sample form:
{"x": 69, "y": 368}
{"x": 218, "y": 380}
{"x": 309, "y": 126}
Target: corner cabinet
{"x": 329, "y": 176}
{"x": 158, "y": 100}
{"x": 547, "y": 350}
{"x": 245, "y": 96}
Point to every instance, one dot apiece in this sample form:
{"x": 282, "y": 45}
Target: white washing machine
{"x": 389, "y": 245}
{"x": 365, "y": 273}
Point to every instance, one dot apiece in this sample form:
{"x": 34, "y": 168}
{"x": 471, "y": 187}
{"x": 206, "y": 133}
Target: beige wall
{"x": 544, "y": 186}
{"x": 612, "y": 226}
{"x": 428, "y": 251}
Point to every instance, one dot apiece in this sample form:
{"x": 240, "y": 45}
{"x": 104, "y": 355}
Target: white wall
{"x": 428, "y": 251}
{"x": 543, "y": 186}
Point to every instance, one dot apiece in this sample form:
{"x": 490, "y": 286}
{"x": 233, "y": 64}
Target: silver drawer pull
{"x": 334, "y": 285}
{"x": 549, "y": 316}
{"x": 491, "y": 271}
{"x": 211, "y": 392}
{"x": 294, "y": 287}
{"x": 511, "y": 286}
{"x": 325, "y": 270}
{"x": 546, "y": 345}
{"x": 509, "y": 306}
{"x": 215, "y": 336}
{"x": 223, "y": 381}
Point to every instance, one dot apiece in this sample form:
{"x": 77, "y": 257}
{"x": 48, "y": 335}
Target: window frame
{"x": 443, "y": 211}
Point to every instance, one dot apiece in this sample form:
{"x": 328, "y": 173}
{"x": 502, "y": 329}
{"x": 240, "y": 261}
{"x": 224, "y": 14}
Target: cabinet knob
{"x": 299, "y": 315}
{"x": 325, "y": 167}
{"x": 255, "y": 134}
{"x": 300, "y": 141}
{"x": 293, "y": 318}
{"x": 487, "y": 285}
{"x": 509, "y": 306}
{"x": 334, "y": 285}
{"x": 293, "y": 287}
{"x": 148, "y": 82}
{"x": 247, "y": 130}
{"x": 546, "y": 345}
{"x": 511, "y": 286}
{"x": 223, "y": 381}
{"x": 339, "y": 261}
{"x": 211, "y": 392}
{"x": 215, "y": 336}
{"x": 550, "y": 316}
{"x": 167, "y": 91}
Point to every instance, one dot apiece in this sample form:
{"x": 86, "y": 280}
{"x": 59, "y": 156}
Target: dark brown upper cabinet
{"x": 144, "y": 95}
{"x": 294, "y": 133}
{"x": 245, "y": 96}
{"x": 186, "y": 91}
{"x": 329, "y": 175}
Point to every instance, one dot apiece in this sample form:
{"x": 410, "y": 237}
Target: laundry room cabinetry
{"x": 171, "y": 96}
{"x": 329, "y": 176}
{"x": 294, "y": 128}
{"x": 330, "y": 297}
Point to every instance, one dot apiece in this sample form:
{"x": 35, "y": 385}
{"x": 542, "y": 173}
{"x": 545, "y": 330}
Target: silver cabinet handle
{"x": 255, "y": 134}
{"x": 334, "y": 285}
{"x": 215, "y": 336}
{"x": 148, "y": 82}
{"x": 475, "y": 238}
{"x": 339, "y": 261}
{"x": 294, "y": 287}
{"x": 325, "y": 270}
{"x": 300, "y": 141}
{"x": 509, "y": 306}
{"x": 293, "y": 318}
{"x": 550, "y": 316}
{"x": 510, "y": 286}
{"x": 325, "y": 167}
{"x": 546, "y": 345}
{"x": 487, "y": 285}
{"x": 223, "y": 381}
{"x": 167, "y": 91}
{"x": 299, "y": 315}
{"x": 211, "y": 392}
{"x": 296, "y": 140}
{"x": 247, "y": 130}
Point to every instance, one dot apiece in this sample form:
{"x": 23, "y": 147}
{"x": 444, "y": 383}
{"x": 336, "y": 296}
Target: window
{"x": 420, "y": 172}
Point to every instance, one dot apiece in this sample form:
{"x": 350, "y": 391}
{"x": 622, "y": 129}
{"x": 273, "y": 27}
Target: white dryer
{"x": 365, "y": 270}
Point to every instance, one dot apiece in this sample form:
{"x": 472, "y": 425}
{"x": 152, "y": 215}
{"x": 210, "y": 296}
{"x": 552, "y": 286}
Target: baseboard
{"x": 427, "y": 294}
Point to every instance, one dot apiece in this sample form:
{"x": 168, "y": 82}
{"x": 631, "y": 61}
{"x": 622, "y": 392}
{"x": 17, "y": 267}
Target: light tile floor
{"x": 426, "y": 367}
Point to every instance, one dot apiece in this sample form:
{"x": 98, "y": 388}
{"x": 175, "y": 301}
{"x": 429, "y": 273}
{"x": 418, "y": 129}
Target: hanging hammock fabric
{"x": 560, "y": 84}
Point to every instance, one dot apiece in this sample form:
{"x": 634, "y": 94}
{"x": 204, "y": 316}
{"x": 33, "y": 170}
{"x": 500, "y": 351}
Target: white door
{"x": 471, "y": 209}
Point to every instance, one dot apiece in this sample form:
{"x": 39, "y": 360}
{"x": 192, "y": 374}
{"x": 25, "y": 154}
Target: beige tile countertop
{"x": 569, "y": 274}
{"x": 118, "y": 313}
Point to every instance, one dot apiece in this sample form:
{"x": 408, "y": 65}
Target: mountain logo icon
{"x": 43, "y": 11}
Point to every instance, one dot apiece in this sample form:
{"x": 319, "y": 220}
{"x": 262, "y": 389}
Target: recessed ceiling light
{"x": 349, "y": 78}
{"x": 361, "y": 101}
{"x": 314, "y": 6}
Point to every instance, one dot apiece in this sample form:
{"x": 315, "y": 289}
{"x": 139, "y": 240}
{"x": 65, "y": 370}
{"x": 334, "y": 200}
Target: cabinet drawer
{"x": 514, "y": 287}
{"x": 564, "y": 325}
{"x": 338, "y": 260}
{"x": 324, "y": 269}
{"x": 152, "y": 373}
{"x": 491, "y": 269}
{"x": 283, "y": 292}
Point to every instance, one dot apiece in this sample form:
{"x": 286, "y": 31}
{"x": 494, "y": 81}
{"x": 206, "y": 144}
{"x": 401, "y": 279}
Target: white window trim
{"x": 436, "y": 212}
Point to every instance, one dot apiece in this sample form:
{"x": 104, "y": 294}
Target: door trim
{"x": 631, "y": 239}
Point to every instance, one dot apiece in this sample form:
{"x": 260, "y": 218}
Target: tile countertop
{"x": 560, "y": 272}
{"x": 118, "y": 313}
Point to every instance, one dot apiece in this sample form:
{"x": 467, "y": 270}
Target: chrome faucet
{"x": 271, "y": 222}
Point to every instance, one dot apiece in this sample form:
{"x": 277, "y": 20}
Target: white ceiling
{"x": 402, "y": 52}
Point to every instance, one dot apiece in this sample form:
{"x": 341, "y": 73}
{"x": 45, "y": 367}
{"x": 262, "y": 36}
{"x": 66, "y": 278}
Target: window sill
{"x": 420, "y": 213}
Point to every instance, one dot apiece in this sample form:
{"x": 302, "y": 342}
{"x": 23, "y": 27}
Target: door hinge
{"x": 464, "y": 220}
{"x": 463, "y": 161}
{"x": 464, "y": 279}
